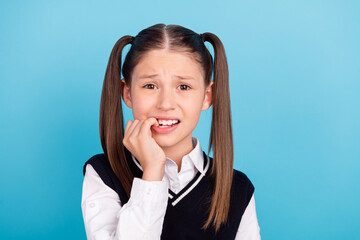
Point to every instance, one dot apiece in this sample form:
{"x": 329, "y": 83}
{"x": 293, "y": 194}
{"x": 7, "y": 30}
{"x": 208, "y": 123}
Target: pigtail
{"x": 111, "y": 116}
{"x": 221, "y": 138}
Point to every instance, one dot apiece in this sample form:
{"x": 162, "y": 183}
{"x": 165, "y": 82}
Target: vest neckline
{"x": 173, "y": 197}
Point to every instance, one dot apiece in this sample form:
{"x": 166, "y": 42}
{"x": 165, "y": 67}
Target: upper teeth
{"x": 168, "y": 122}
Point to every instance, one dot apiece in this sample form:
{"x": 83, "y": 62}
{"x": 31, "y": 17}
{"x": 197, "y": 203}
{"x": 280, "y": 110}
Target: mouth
{"x": 167, "y": 123}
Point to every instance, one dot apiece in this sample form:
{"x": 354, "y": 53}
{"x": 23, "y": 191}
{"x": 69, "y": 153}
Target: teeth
{"x": 168, "y": 122}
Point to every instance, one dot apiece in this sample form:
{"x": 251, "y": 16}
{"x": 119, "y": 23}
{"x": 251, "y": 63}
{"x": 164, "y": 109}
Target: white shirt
{"x": 142, "y": 216}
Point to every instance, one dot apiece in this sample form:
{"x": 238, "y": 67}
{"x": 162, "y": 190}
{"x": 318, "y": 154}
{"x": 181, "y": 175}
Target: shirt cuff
{"x": 149, "y": 191}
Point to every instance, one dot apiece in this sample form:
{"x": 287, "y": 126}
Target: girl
{"x": 153, "y": 180}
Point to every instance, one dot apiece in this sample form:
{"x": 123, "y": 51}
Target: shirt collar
{"x": 196, "y": 156}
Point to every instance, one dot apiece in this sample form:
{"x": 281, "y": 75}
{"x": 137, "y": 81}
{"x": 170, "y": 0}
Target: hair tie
{"x": 132, "y": 40}
{"x": 201, "y": 36}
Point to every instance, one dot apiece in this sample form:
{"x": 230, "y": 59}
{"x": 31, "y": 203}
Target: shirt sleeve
{"x": 141, "y": 217}
{"x": 249, "y": 228}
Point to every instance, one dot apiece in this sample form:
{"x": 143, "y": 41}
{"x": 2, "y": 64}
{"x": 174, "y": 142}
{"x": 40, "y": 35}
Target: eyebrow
{"x": 155, "y": 75}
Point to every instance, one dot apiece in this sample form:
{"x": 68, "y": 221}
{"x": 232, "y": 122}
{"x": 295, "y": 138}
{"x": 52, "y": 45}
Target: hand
{"x": 139, "y": 141}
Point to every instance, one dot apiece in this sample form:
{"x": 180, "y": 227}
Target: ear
{"x": 126, "y": 93}
{"x": 208, "y": 97}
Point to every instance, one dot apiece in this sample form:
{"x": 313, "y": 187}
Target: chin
{"x": 168, "y": 140}
{"x": 164, "y": 141}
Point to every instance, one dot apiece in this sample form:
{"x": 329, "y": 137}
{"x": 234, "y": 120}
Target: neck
{"x": 176, "y": 153}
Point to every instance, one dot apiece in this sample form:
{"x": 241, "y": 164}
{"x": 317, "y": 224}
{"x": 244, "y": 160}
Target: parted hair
{"x": 176, "y": 38}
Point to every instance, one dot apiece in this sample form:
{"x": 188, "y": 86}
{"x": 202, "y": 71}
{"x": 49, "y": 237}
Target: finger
{"x": 128, "y": 125}
{"x": 137, "y": 128}
{"x": 132, "y": 127}
{"x": 156, "y": 121}
{"x": 146, "y": 126}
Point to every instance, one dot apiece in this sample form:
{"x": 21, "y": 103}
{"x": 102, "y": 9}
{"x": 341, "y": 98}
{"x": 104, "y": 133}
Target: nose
{"x": 166, "y": 100}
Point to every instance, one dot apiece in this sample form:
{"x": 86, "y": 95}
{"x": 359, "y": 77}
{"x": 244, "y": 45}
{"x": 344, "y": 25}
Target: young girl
{"x": 154, "y": 181}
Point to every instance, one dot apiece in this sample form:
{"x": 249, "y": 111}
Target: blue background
{"x": 295, "y": 84}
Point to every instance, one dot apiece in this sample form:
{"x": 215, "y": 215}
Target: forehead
{"x": 168, "y": 62}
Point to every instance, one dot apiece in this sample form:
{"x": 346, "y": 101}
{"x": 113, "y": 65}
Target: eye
{"x": 149, "y": 86}
{"x": 184, "y": 87}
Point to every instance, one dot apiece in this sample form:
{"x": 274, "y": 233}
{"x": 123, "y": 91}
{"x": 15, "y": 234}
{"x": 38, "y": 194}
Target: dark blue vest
{"x": 186, "y": 211}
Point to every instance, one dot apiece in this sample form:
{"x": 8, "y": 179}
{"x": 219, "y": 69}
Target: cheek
{"x": 142, "y": 106}
{"x": 193, "y": 106}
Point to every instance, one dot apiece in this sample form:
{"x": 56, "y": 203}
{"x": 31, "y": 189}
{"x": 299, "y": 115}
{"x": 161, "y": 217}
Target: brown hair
{"x": 178, "y": 38}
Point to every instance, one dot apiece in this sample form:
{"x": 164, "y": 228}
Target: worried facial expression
{"x": 168, "y": 85}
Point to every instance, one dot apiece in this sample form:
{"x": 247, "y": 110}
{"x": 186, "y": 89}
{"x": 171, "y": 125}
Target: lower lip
{"x": 165, "y": 129}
